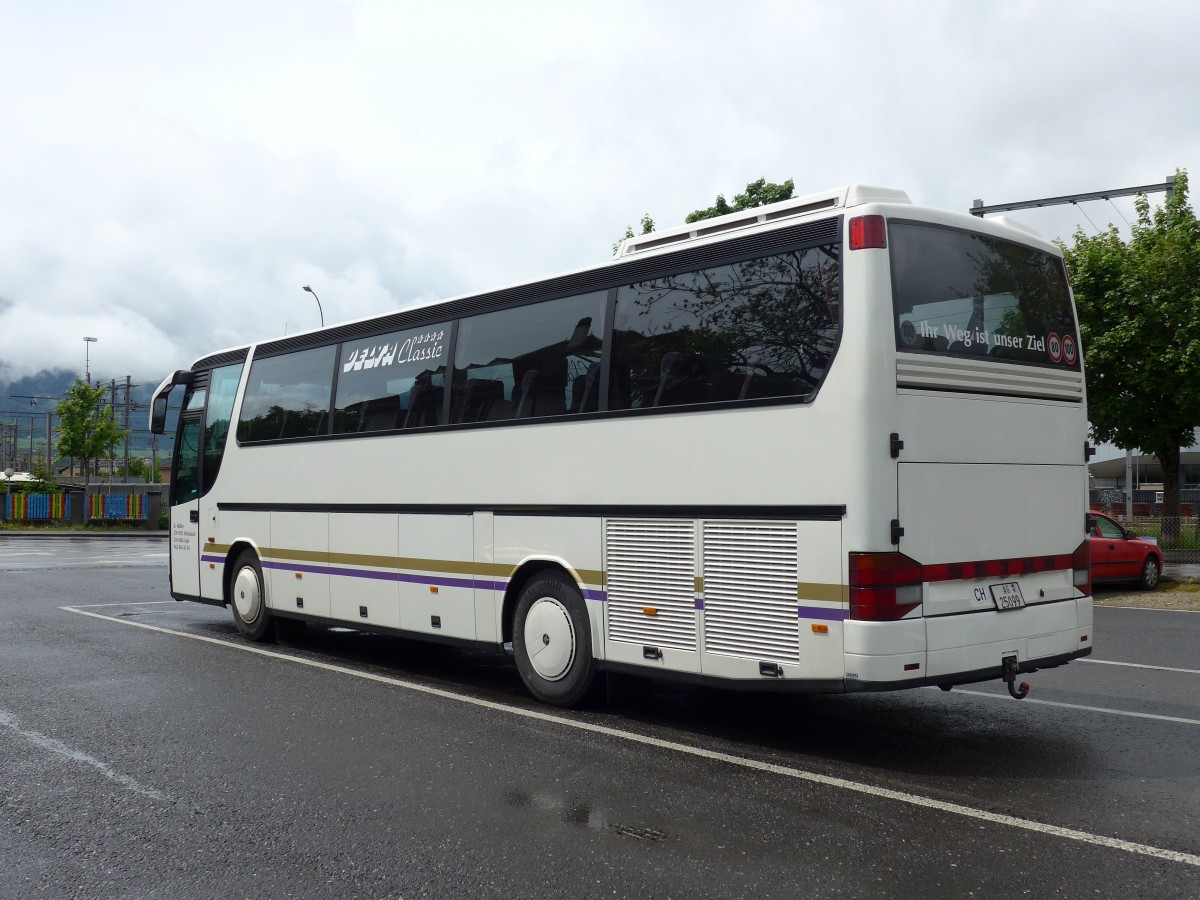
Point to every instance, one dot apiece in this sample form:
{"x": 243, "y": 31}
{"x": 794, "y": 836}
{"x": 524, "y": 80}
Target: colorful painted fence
{"x": 37, "y": 507}
{"x": 116, "y": 506}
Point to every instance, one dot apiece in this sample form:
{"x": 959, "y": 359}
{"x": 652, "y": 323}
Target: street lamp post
{"x": 318, "y": 299}
{"x": 87, "y": 358}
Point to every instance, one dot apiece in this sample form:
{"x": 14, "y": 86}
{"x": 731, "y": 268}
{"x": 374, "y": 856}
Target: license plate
{"x": 1007, "y": 596}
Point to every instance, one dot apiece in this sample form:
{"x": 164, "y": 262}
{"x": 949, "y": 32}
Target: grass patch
{"x": 1176, "y": 595}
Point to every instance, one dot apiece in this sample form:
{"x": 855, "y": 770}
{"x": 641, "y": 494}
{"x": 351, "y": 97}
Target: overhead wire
{"x": 1086, "y": 216}
{"x": 1119, "y": 213}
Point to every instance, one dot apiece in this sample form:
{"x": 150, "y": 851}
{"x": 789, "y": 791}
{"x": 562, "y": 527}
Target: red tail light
{"x": 884, "y": 587}
{"x": 1081, "y": 562}
{"x": 868, "y": 232}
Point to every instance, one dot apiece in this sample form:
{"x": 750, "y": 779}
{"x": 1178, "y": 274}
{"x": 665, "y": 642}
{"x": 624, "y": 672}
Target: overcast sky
{"x": 171, "y": 174}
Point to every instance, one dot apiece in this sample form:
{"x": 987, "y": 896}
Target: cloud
{"x": 170, "y": 182}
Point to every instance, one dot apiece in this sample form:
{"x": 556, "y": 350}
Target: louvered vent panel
{"x": 651, "y": 564}
{"x": 750, "y": 590}
{"x": 985, "y": 376}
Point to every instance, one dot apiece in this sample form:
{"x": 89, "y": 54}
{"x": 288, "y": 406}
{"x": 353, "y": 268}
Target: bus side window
{"x": 520, "y": 363}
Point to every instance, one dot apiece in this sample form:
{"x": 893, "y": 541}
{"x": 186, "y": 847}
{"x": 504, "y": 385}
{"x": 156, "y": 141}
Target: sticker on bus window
{"x": 1054, "y": 347}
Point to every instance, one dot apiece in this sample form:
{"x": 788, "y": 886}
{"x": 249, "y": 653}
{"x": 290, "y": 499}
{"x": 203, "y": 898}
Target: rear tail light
{"x": 1081, "y": 562}
{"x": 884, "y": 587}
{"x": 868, "y": 232}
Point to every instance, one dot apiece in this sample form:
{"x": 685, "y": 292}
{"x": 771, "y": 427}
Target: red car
{"x": 1120, "y": 555}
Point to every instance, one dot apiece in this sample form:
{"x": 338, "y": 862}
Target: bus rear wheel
{"x": 552, "y": 641}
{"x": 249, "y": 600}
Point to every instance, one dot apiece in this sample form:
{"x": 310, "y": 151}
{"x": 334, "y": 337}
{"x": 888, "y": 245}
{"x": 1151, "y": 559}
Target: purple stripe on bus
{"x": 406, "y": 578}
{"x": 833, "y": 614}
{"x": 383, "y": 576}
{"x": 699, "y": 603}
{"x": 377, "y": 575}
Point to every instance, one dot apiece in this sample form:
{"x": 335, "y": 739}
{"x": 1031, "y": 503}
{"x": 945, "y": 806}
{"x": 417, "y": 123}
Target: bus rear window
{"x": 960, "y": 293}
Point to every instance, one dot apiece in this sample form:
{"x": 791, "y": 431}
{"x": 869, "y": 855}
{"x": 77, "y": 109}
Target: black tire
{"x": 552, "y": 641}
{"x": 1148, "y": 580}
{"x": 248, "y": 599}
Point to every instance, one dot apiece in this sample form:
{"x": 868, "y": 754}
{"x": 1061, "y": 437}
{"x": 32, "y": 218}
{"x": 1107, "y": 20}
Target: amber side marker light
{"x": 820, "y": 629}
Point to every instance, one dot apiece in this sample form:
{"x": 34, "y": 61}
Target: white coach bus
{"x": 832, "y": 444}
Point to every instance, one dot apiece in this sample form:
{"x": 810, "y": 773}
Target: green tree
{"x": 1139, "y": 322}
{"x": 647, "y": 227}
{"x": 87, "y": 428}
{"x": 757, "y": 193}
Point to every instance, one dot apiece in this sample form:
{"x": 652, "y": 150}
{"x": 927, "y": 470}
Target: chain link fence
{"x": 1177, "y": 536}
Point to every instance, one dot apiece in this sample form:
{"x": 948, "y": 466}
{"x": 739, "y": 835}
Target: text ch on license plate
{"x": 1007, "y": 595}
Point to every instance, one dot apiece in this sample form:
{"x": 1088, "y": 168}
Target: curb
{"x": 67, "y": 535}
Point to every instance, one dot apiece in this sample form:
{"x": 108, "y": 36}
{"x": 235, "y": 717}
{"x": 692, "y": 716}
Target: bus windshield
{"x": 960, "y": 293}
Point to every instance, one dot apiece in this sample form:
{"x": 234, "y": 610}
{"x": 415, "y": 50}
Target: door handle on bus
{"x": 194, "y": 516}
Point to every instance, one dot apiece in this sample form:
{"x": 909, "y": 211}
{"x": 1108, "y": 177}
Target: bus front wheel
{"x": 552, "y": 641}
{"x": 249, "y": 600}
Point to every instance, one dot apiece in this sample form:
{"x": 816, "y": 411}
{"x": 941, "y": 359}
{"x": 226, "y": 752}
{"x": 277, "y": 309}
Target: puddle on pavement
{"x": 581, "y": 814}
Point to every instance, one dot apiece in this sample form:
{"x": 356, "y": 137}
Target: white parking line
{"x": 1109, "y": 662}
{"x": 126, "y": 603}
{"x": 1096, "y": 709}
{"x": 58, "y": 748}
{"x": 1071, "y": 834}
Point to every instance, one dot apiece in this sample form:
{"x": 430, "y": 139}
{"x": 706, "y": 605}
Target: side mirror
{"x": 158, "y": 415}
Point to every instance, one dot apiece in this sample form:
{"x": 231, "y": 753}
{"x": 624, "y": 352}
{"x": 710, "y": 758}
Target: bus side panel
{"x": 363, "y": 551}
{"x": 231, "y": 527}
{"x": 571, "y": 541}
{"x": 773, "y": 594}
{"x": 297, "y": 562}
{"x": 652, "y": 579}
{"x": 437, "y": 585}
{"x": 489, "y": 594}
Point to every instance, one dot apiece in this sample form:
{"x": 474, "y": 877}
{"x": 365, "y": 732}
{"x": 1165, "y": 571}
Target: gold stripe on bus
{"x": 698, "y": 585}
{"x": 446, "y": 566}
{"x": 828, "y": 593}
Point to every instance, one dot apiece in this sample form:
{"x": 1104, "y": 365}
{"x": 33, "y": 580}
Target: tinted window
{"x": 392, "y": 381}
{"x": 288, "y": 396}
{"x": 185, "y": 484}
{"x": 762, "y": 328}
{"x": 222, "y": 388}
{"x": 529, "y": 362}
{"x": 966, "y": 294}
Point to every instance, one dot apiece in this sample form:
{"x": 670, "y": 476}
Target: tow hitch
{"x": 1010, "y": 679}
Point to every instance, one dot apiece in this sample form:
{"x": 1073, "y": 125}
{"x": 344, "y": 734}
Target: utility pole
{"x": 978, "y": 209}
{"x": 127, "y": 380}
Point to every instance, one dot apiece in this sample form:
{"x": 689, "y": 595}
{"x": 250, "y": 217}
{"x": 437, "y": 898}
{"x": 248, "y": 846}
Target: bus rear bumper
{"x": 967, "y": 648}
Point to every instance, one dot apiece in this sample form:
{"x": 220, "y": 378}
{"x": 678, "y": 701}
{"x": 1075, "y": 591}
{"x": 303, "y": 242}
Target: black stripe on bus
{"x": 222, "y": 359}
{"x": 811, "y": 513}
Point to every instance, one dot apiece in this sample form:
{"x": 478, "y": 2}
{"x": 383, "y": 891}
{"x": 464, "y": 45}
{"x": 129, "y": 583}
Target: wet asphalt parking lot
{"x": 146, "y": 750}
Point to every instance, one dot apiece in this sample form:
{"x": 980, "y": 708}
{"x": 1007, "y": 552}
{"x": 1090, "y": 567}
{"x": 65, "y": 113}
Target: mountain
{"x": 25, "y": 402}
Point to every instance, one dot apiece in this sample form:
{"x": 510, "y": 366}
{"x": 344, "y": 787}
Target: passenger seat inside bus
{"x": 483, "y": 401}
{"x": 424, "y": 405}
